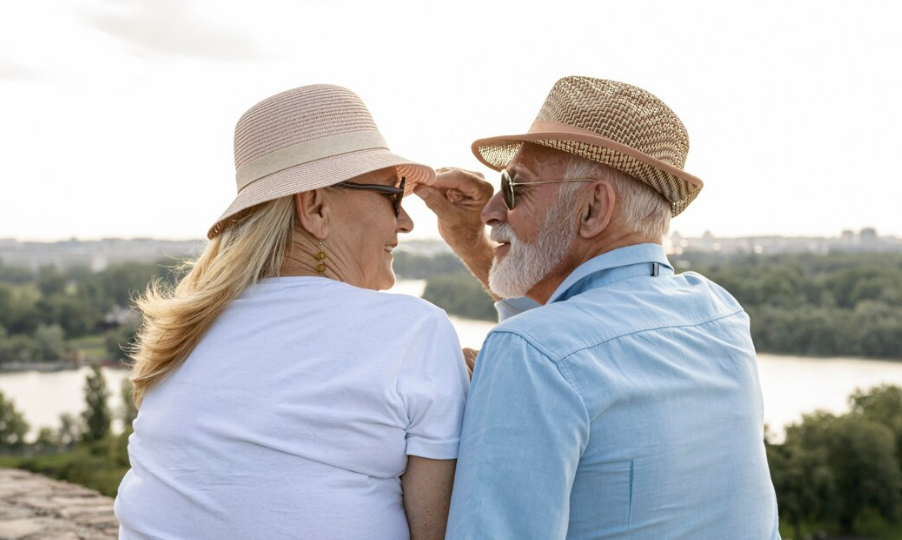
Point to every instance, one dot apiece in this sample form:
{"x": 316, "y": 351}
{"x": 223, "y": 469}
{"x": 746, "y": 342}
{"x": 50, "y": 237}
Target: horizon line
{"x": 59, "y": 240}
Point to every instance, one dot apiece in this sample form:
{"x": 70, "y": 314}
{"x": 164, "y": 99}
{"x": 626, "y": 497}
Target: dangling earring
{"x": 321, "y": 257}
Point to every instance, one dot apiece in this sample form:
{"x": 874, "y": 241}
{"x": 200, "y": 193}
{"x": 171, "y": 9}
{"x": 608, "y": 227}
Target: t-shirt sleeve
{"x": 433, "y": 385}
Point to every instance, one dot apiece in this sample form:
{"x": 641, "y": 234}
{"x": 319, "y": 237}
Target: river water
{"x": 791, "y": 385}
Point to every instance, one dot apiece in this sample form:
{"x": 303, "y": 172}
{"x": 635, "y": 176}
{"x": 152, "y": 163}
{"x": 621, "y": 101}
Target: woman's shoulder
{"x": 349, "y": 297}
{"x": 398, "y": 304}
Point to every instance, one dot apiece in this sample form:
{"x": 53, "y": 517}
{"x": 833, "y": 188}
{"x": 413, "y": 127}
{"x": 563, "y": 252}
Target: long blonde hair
{"x": 175, "y": 319}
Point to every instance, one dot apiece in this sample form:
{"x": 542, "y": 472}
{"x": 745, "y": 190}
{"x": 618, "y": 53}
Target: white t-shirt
{"x": 294, "y": 417}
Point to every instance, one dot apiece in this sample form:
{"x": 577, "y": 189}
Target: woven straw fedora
{"x": 307, "y": 138}
{"x": 612, "y": 123}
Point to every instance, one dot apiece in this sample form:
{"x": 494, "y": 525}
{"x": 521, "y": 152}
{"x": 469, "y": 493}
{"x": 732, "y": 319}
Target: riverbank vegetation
{"x": 70, "y": 316}
{"x": 449, "y": 285}
{"x": 838, "y": 304}
{"x": 83, "y": 449}
{"x": 843, "y": 474}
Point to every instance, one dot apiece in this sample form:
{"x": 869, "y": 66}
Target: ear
{"x": 313, "y": 212}
{"x": 598, "y": 209}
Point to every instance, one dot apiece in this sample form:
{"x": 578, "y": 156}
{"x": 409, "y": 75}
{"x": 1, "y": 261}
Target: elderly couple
{"x": 281, "y": 396}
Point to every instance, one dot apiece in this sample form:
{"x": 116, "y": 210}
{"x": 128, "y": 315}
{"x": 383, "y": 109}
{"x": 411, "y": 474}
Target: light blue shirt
{"x": 627, "y": 407}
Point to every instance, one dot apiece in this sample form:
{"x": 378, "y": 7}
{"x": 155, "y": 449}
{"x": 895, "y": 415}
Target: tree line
{"x": 839, "y": 304}
{"x": 843, "y": 474}
{"x": 43, "y": 313}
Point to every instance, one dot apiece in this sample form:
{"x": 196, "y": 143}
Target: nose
{"x": 405, "y": 224}
{"x": 494, "y": 212}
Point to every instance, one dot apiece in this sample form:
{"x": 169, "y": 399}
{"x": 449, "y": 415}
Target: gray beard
{"x": 525, "y": 264}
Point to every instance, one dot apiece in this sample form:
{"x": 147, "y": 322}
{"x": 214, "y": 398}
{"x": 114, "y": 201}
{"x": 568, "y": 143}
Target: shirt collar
{"x": 611, "y": 266}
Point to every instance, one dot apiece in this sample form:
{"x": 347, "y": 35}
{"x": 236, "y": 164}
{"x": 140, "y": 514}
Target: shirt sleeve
{"x": 508, "y": 307}
{"x": 433, "y": 384}
{"x": 524, "y": 431}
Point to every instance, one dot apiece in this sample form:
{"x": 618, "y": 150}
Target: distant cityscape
{"x": 99, "y": 254}
{"x": 95, "y": 254}
{"x": 865, "y": 240}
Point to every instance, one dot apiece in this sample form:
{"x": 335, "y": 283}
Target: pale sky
{"x": 117, "y": 116}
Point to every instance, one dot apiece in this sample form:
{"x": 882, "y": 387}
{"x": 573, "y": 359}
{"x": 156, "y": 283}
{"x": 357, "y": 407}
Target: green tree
{"x": 881, "y": 404}
{"x": 5, "y": 349}
{"x": 51, "y": 281}
{"x": 16, "y": 274}
{"x": 18, "y": 348}
{"x": 866, "y": 470}
{"x": 76, "y": 316}
{"x": 122, "y": 281}
{"x": 462, "y": 295}
{"x": 835, "y": 469}
{"x": 118, "y": 340}
{"x": 46, "y": 442}
{"x": 50, "y": 341}
{"x": 97, "y": 414}
{"x": 69, "y": 432}
{"x": 18, "y": 311}
{"x": 13, "y": 426}
{"x": 129, "y": 409}
{"x": 804, "y": 482}
{"x": 6, "y": 303}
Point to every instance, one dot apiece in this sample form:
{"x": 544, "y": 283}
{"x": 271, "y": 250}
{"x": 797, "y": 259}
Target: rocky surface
{"x": 35, "y": 507}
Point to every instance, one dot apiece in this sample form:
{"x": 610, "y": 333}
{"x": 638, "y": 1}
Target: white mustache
{"x": 503, "y": 233}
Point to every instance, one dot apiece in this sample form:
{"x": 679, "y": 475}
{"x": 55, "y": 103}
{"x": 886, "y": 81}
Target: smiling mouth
{"x": 389, "y": 248}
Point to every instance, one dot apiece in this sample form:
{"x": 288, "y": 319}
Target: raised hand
{"x": 457, "y": 197}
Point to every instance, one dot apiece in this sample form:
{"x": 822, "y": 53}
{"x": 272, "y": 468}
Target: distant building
{"x": 869, "y": 237}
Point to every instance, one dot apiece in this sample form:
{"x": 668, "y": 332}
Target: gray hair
{"x": 644, "y": 209}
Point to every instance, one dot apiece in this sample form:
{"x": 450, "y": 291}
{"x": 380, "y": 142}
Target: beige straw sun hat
{"x": 612, "y": 123}
{"x": 307, "y": 138}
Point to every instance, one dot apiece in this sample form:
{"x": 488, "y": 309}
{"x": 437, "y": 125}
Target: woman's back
{"x": 294, "y": 417}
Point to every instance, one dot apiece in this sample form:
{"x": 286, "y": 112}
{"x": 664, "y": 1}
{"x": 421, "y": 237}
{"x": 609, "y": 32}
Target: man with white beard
{"x": 618, "y": 399}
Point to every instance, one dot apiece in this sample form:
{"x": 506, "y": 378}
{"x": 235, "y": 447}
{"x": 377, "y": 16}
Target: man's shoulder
{"x": 606, "y": 313}
{"x": 547, "y": 329}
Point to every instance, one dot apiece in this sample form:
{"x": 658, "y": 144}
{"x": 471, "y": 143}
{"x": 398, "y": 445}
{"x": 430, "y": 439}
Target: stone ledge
{"x": 35, "y": 507}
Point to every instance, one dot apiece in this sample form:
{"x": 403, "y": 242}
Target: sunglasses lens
{"x": 507, "y": 192}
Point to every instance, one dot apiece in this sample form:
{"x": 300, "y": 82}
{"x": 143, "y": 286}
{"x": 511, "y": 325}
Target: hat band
{"x": 306, "y": 152}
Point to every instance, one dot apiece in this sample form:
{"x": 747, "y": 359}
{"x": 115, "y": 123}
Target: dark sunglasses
{"x": 394, "y": 194}
{"x": 508, "y": 186}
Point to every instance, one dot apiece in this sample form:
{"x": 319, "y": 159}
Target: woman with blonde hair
{"x": 280, "y": 395}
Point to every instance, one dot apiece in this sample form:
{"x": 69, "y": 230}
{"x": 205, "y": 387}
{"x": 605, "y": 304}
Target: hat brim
{"x": 321, "y": 173}
{"x": 678, "y": 187}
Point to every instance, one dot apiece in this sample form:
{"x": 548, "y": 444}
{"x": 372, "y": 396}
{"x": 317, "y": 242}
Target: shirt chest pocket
{"x": 601, "y": 499}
